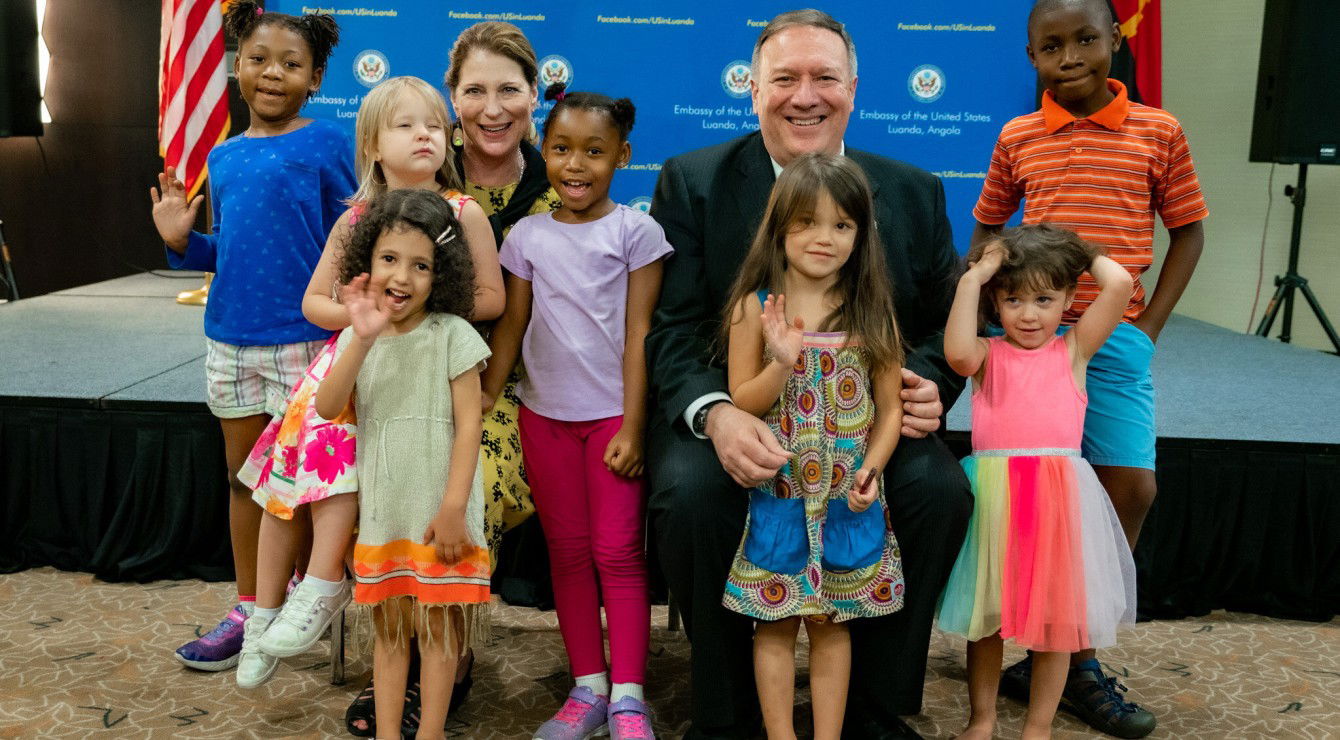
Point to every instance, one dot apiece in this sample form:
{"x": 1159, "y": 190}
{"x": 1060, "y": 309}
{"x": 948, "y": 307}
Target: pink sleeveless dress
{"x": 1045, "y": 561}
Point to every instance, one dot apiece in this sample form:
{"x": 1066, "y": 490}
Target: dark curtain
{"x": 1250, "y": 530}
{"x": 140, "y": 495}
{"x": 128, "y": 496}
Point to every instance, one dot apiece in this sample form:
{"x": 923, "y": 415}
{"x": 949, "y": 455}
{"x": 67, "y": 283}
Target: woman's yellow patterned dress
{"x": 506, "y": 494}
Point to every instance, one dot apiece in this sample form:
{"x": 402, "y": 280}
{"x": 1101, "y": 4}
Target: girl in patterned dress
{"x": 410, "y": 364}
{"x": 817, "y": 547}
{"x": 302, "y": 464}
{"x": 1045, "y": 562}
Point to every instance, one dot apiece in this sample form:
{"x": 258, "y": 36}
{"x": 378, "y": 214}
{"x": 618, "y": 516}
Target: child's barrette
{"x": 260, "y": 12}
{"x": 445, "y": 236}
{"x": 560, "y": 95}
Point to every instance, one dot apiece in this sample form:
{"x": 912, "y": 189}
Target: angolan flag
{"x": 1139, "y": 63}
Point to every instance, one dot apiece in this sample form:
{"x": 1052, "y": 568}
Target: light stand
{"x": 1286, "y": 284}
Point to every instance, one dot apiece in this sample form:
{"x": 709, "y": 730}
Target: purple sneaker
{"x": 218, "y": 650}
{"x": 630, "y": 719}
{"x": 582, "y": 717}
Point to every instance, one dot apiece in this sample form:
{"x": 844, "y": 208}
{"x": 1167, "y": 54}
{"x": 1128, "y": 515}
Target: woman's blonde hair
{"x": 375, "y": 114}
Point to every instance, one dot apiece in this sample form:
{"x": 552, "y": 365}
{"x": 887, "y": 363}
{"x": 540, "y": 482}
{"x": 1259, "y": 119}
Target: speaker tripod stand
{"x": 1286, "y": 284}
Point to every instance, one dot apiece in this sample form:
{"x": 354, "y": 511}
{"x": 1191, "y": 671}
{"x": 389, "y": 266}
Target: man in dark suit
{"x": 703, "y": 452}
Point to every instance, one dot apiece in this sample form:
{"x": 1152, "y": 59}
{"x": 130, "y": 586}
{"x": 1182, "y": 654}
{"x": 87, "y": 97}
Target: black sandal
{"x": 362, "y": 709}
{"x": 462, "y": 688}
{"x": 409, "y": 719}
{"x": 364, "y": 706}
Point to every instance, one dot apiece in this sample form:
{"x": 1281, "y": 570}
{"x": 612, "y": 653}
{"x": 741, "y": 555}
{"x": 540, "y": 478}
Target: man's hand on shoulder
{"x": 745, "y": 445}
{"x": 921, "y": 405}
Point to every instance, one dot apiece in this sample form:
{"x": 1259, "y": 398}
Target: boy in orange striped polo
{"x": 1095, "y": 162}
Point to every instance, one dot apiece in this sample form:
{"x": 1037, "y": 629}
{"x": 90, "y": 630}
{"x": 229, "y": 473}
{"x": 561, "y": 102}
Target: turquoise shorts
{"x": 1119, "y": 424}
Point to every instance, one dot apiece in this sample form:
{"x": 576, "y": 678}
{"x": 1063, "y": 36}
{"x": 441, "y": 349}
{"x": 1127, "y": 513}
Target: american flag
{"x": 192, "y": 87}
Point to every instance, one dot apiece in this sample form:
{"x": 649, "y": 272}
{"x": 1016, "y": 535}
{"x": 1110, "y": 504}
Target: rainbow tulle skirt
{"x": 1045, "y": 561}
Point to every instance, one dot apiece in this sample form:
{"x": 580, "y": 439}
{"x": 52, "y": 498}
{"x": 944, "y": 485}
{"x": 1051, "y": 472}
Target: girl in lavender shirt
{"x": 583, "y": 281}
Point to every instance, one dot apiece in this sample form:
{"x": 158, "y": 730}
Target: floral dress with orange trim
{"x": 804, "y": 552}
{"x": 300, "y": 457}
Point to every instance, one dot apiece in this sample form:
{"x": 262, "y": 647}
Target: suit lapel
{"x": 863, "y": 159}
{"x": 889, "y": 224}
{"x": 755, "y": 178}
{"x": 753, "y": 182}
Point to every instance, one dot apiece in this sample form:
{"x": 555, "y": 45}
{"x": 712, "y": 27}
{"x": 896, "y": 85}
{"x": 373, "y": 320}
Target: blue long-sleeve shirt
{"x": 274, "y": 200}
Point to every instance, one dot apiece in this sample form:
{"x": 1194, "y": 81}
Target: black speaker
{"x": 1297, "y": 117}
{"x": 20, "y": 95}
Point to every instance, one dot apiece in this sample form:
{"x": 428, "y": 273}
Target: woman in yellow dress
{"x": 492, "y": 82}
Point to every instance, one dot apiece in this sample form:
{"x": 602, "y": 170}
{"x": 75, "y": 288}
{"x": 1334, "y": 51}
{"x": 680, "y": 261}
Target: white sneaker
{"x": 253, "y": 666}
{"x": 303, "y": 620}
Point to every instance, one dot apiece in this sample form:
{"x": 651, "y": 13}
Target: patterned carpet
{"x": 81, "y": 658}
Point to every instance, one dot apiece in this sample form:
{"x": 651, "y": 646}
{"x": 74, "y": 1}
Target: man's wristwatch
{"x": 699, "y": 426}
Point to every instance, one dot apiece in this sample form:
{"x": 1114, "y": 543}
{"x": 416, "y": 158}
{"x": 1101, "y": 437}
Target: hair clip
{"x": 560, "y": 95}
{"x": 260, "y": 12}
{"x": 445, "y": 236}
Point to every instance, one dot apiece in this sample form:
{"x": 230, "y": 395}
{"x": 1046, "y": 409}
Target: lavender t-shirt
{"x": 573, "y": 349}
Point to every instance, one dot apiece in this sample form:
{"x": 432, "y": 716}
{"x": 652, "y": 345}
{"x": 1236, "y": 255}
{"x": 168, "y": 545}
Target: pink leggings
{"x": 594, "y": 523}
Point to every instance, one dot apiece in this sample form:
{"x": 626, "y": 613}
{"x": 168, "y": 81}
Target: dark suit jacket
{"x": 710, "y": 203}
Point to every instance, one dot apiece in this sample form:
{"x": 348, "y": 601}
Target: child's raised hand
{"x": 783, "y": 340}
{"x": 447, "y": 536}
{"x": 992, "y": 257}
{"x": 365, "y": 300}
{"x": 864, "y": 491}
{"x": 623, "y": 455}
{"x": 173, "y": 216}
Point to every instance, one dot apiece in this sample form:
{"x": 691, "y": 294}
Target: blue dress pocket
{"x": 852, "y": 540}
{"x": 777, "y": 539}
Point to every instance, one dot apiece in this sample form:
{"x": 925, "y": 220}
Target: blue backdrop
{"x": 937, "y": 78}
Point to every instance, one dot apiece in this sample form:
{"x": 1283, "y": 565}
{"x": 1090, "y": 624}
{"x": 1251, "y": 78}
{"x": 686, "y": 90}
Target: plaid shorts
{"x": 245, "y": 381}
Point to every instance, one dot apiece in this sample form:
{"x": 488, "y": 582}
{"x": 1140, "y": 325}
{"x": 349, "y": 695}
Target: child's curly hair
{"x": 425, "y": 212}
{"x": 1037, "y": 257}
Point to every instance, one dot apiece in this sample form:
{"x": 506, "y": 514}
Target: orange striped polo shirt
{"x": 1103, "y": 176}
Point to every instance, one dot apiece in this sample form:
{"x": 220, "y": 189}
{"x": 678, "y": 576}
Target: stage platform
{"x": 127, "y": 344}
{"x": 111, "y": 463}
{"x": 120, "y": 344}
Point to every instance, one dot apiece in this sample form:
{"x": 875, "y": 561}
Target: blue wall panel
{"x": 937, "y": 79}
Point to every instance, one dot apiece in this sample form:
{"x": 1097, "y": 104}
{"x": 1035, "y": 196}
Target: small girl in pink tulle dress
{"x": 1045, "y": 562}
